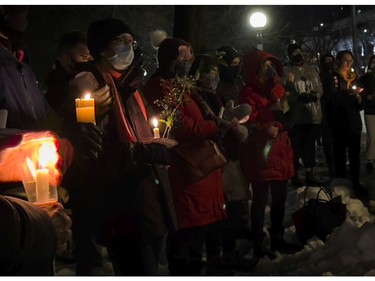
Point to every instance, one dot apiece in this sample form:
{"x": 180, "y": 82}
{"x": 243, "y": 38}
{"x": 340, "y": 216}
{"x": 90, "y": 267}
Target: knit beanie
{"x": 230, "y": 53}
{"x": 204, "y": 63}
{"x": 168, "y": 51}
{"x": 100, "y": 32}
{"x": 292, "y": 48}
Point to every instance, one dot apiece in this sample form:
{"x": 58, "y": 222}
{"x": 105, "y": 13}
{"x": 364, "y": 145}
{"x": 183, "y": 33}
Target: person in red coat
{"x": 267, "y": 156}
{"x": 198, "y": 205}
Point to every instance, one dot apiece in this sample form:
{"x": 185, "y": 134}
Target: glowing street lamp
{"x": 258, "y": 21}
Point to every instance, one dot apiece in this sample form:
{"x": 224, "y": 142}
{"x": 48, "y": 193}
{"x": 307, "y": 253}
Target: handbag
{"x": 196, "y": 160}
{"x": 319, "y": 216}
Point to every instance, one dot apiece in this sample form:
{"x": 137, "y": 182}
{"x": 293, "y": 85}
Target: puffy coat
{"x": 20, "y": 95}
{"x": 201, "y": 203}
{"x": 305, "y": 93}
{"x": 264, "y": 158}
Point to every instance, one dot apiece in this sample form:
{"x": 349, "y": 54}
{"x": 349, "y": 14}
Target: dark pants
{"x": 347, "y": 142}
{"x": 303, "y": 138}
{"x": 237, "y": 223}
{"x": 260, "y": 199}
{"x": 131, "y": 253}
{"x": 83, "y": 203}
{"x": 327, "y": 142}
{"x": 184, "y": 251}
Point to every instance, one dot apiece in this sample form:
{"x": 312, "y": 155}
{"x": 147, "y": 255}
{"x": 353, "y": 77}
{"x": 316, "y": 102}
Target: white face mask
{"x": 123, "y": 57}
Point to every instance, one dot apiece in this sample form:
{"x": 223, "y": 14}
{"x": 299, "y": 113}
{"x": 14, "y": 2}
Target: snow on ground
{"x": 349, "y": 250}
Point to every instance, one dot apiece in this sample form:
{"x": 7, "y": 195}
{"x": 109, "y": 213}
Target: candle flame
{"x": 155, "y": 122}
{"x": 47, "y": 155}
{"x": 31, "y": 167}
{"x": 354, "y": 87}
{"x": 87, "y": 96}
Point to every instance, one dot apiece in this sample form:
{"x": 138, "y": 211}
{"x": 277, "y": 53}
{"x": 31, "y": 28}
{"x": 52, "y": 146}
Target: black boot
{"x": 261, "y": 248}
{"x": 214, "y": 267}
{"x": 234, "y": 261}
{"x": 279, "y": 244}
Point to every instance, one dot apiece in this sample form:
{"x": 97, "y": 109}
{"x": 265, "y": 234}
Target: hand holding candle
{"x": 85, "y": 109}
{"x": 156, "y": 129}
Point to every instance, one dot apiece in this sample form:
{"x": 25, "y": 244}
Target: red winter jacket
{"x": 201, "y": 203}
{"x": 264, "y": 158}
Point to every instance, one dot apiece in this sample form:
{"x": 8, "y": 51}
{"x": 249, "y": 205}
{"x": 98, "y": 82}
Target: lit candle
{"x": 85, "y": 109}
{"x": 156, "y": 129}
{"x": 42, "y": 175}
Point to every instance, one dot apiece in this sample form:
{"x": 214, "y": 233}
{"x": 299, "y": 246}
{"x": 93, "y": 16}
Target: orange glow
{"x": 21, "y": 161}
{"x": 47, "y": 155}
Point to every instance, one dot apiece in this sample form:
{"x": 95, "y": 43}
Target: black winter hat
{"x": 230, "y": 53}
{"x": 293, "y": 47}
{"x": 204, "y": 63}
{"x": 168, "y": 51}
{"x": 100, "y": 32}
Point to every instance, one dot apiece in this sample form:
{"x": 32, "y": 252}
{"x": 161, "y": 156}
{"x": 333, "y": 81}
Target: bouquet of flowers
{"x": 171, "y": 102}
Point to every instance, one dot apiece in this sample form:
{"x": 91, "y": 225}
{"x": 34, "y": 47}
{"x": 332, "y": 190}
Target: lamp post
{"x": 258, "y": 20}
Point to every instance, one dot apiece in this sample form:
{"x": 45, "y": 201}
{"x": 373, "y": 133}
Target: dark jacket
{"x": 20, "y": 95}
{"x": 27, "y": 239}
{"x": 368, "y": 81}
{"x": 341, "y": 106}
{"x": 134, "y": 187}
{"x": 59, "y": 90}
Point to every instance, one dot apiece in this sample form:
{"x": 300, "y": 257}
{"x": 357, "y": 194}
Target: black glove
{"x": 307, "y": 98}
{"x": 85, "y": 137}
{"x": 154, "y": 153}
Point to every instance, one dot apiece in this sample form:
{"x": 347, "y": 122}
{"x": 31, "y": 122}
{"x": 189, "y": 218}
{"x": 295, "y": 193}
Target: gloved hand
{"x": 85, "y": 137}
{"x": 153, "y": 153}
{"x": 307, "y": 98}
{"x": 61, "y": 222}
{"x": 240, "y": 112}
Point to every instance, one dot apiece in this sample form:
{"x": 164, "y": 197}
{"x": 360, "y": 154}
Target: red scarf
{"x": 124, "y": 130}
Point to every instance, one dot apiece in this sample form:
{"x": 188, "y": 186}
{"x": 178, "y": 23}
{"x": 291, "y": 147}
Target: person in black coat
{"x": 342, "y": 104}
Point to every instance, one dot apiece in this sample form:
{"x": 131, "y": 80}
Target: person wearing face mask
{"x": 305, "y": 89}
{"x": 368, "y": 81}
{"x": 224, "y": 234}
{"x": 199, "y": 206}
{"x": 131, "y": 204}
{"x": 230, "y": 80}
{"x": 267, "y": 155}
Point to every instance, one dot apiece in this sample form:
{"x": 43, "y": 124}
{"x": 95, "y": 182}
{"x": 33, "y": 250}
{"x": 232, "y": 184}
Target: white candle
{"x": 156, "y": 129}
{"x": 85, "y": 109}
{"x": 42, "y": 185}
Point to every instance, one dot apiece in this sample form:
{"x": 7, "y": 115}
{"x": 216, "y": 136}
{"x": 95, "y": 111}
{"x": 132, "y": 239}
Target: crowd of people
{"x": 133, "y": 197}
